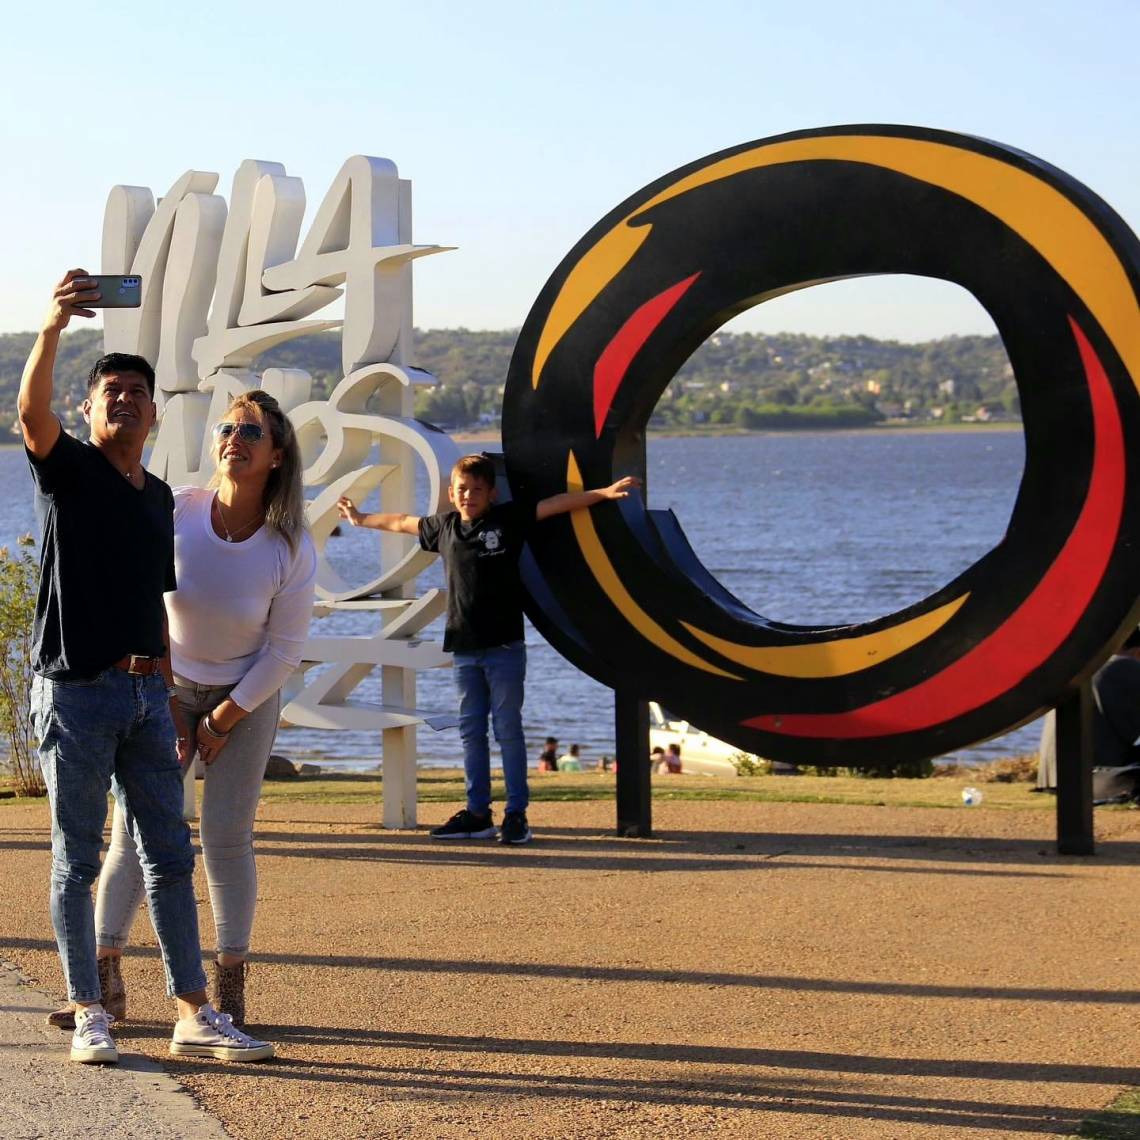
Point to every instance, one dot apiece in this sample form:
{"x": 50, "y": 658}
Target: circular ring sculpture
{"x": 618, "y": 590}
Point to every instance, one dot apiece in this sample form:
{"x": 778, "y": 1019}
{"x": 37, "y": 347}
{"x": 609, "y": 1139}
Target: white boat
{"x": 701, "y": 754}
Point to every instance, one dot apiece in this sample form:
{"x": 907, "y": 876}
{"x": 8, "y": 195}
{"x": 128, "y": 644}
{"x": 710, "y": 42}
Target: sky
{"x": 521, "y": 125}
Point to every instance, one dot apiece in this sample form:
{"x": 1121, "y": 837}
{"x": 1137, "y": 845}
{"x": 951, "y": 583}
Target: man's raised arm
{"x": 38, "y": 423}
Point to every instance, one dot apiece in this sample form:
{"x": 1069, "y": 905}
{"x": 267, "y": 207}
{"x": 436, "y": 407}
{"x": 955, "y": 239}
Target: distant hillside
{"x": 745, "y": 380}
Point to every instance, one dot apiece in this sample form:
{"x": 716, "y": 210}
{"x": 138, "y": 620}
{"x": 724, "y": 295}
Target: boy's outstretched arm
{"x": 576, "y": 500}
{"x": 400, "y": 524}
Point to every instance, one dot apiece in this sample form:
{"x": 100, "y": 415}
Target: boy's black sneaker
{"x": 515, "y": 828}
{"x": 466, "y": 825}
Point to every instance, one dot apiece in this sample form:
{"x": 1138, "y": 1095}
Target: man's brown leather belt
{"x": 144, "y": 666}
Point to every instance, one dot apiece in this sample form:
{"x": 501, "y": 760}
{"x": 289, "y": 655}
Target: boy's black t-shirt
{"x": 481, "y": 561}
{"x": 107, "y": 557}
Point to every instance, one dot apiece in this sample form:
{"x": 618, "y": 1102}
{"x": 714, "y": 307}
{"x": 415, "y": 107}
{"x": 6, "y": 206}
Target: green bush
{"x": 778, "y": 417}
{"x": 748, "y": 765}
{"x": 19, "y": 575}
{"x": 887, "y": 767}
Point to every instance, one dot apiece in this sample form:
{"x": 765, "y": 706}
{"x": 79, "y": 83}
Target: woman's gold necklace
{"x": 232, "y": 535}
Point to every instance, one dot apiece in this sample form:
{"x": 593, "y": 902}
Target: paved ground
{"x": 43, "y": 1096}
{"x": 757, "y": 970}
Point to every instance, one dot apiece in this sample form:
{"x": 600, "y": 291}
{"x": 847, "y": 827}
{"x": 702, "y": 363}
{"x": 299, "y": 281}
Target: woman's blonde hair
{"x": 283, "y": 498}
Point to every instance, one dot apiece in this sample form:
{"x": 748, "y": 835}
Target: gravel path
{"x": 757, "y": 970}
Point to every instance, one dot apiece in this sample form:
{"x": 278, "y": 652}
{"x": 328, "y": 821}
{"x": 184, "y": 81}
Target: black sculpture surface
{"x": 618, "y": 590}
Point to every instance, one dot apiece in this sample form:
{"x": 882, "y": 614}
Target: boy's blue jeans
{"x": 490, "y": 684}
{"x": 115, "y": 732}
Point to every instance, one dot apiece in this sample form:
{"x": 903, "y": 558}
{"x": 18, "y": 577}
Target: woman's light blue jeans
{"x": 490, "y": 685}
{"x": 115, "y": 732}
{"x": 230, "y": 793}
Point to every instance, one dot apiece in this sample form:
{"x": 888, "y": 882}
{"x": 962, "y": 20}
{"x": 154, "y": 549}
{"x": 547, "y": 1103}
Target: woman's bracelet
{"x": 208, "y": 725}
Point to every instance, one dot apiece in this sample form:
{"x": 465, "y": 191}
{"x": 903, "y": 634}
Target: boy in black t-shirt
{"x": 480, "y": 542}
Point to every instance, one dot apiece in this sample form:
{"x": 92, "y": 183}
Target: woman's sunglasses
{"x": 249, "y": 433}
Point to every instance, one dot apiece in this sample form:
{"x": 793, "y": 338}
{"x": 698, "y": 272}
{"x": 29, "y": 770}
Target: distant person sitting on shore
{"x": 548, "y": 757}
{"x": 671, "y": 765}
{"x": 480, "y": 542}
{"x": 570, "y": 762}
{"x": 657, "y": 759}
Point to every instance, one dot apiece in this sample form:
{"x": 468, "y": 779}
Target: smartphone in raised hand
{"x": 116, "y": 292}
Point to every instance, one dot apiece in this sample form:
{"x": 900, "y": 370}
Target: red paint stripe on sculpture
{"x": 618, "y": 355}
{"x": 1033, "y": 632}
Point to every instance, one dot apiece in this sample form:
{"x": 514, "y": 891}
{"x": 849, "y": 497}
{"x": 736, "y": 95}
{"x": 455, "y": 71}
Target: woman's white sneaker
{"x": 212, "y": 1034}
{"x": 91, "y": 1042}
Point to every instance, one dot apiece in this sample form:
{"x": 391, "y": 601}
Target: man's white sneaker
{"x": 91, "y": 1042}
{"x": 212, "y": 1034}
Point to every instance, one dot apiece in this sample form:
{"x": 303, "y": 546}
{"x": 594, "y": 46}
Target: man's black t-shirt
{"x": 107, "y": 558}
{"x": 481, "y": 560}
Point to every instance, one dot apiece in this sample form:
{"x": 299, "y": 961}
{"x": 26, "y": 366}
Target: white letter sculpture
{"x": 220, "y": 286}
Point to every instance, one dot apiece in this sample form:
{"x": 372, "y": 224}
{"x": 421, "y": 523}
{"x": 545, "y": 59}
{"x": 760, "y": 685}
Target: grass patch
{"x": 1006, "y": 770}
{"x": 1120, "y": 1121}
{"x": 445, "y": 785}
{"x": 9, "y": 794}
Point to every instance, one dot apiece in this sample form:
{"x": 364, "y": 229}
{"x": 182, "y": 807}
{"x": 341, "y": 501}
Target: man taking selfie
{"x": 102, "y": 685}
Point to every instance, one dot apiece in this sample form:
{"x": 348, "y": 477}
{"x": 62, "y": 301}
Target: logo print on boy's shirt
{"x": 492, "y": 540}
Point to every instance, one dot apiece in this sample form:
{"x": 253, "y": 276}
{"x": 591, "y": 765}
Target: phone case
{"x": 118, "y": 292}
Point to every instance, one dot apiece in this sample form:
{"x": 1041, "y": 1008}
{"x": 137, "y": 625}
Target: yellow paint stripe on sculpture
{"x": 601, "y": 264}
{"x": 1042, "y": 215}
{"x": 833, "y": 658}
{"x": 607, "y": 578}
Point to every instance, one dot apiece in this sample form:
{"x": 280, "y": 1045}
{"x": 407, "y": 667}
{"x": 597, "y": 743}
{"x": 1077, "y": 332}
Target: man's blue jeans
{"x": 490, "y": 684}
{"x": 115, "y": 732}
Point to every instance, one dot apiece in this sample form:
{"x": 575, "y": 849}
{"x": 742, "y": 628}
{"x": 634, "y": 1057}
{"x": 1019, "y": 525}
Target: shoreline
{"x": 377, "y": 762}
{"x": 721, "y": 430}
{"x": 942, "y": 790}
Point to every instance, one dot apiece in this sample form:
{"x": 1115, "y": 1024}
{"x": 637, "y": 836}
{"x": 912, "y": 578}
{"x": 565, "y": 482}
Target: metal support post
{"x": 631, "y": 733}
{"x": 1074, "y": 773}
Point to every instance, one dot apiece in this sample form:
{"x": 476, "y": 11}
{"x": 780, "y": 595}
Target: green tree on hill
{"x": 739, "y": 379}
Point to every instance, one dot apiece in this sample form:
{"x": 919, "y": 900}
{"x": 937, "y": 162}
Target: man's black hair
{"x": 115, "y": 363}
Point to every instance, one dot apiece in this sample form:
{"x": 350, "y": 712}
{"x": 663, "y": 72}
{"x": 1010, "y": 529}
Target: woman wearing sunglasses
{"x": 238, "y": 622}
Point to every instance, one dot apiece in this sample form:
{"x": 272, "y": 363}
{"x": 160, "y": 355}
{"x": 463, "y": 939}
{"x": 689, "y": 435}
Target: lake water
{"x": 804, "y": 528}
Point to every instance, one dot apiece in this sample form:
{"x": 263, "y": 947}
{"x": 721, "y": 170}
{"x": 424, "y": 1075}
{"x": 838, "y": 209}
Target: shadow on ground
{"x": 686, "y": 1077}
{"x": 622, "y": 975}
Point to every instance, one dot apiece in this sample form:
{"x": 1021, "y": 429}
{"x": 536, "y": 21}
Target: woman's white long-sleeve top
{"x": 240, "y": 615}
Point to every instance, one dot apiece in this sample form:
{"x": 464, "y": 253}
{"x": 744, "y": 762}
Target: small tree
{"x": 19, "y": 576}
